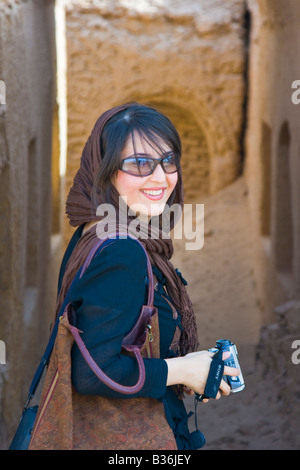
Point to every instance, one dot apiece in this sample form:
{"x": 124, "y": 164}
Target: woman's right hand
{"x": 192, "y": 371}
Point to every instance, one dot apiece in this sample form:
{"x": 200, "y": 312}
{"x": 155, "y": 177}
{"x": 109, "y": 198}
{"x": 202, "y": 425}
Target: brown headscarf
{"x": 80, "y": 210}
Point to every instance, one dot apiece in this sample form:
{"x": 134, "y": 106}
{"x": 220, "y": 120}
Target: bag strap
{"x": 47, "y": 353}
{"x": 134, "y": 340}
{"x": 126, "y": 390}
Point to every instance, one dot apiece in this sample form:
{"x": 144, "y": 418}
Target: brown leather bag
{"x": 67, "y": 420}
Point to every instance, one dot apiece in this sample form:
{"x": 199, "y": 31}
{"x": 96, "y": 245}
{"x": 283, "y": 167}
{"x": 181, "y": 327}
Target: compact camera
{"x": 237, "y": 384}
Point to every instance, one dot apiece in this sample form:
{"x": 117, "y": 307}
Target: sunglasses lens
{"x": 137, "y": 166}
{"x": 169, "y": 164}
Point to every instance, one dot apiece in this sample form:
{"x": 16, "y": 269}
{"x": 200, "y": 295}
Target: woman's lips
{"x": 155, "y": 194}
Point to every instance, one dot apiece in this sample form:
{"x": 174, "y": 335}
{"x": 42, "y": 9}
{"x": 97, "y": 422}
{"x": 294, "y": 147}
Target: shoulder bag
{"x": 66, "y": 420}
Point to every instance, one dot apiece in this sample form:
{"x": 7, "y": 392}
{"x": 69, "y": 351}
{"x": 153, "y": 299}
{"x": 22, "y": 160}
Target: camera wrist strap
{"x": 214, "y": 378}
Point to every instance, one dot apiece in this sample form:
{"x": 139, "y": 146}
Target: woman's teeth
{"x": 153, "y": 192}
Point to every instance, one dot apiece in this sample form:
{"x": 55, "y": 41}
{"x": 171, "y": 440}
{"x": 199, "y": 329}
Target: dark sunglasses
{"x": 139, "y": 165}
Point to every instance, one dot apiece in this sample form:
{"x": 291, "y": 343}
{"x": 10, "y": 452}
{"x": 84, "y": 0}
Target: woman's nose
{"x": 158, "y": 174}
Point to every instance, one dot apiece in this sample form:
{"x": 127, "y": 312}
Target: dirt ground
{"x": 249, "y": 420}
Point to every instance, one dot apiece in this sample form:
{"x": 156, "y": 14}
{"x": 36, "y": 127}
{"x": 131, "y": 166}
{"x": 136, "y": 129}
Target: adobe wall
{"x": 186, "y": 58}
{"x": 272, "y": 168}
{"x": 272, "y": 175}
{"x": 27, "y": 67}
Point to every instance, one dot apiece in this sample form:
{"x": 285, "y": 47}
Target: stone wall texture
{"x": 272, "y": 172}
{"x": 27, "y": 67}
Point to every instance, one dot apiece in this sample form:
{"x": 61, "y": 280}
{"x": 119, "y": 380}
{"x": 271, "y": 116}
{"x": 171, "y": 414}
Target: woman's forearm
{"x": 192, "y": 371}
{"x": 176, "y": 372}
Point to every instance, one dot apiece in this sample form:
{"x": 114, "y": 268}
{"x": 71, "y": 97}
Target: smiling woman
{"x": 132, "y": 154}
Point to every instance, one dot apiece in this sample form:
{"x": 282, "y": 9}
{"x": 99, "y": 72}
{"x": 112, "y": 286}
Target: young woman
{"x": 132, "y": 157}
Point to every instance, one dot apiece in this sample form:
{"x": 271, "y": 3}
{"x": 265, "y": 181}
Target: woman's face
{"x": 145, "y": 194}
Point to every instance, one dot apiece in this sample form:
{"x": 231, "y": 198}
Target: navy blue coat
{"x": 108, "y": 300}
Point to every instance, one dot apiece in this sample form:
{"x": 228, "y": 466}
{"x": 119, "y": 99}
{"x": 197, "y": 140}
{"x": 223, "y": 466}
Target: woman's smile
{"x": 155, "y": 194}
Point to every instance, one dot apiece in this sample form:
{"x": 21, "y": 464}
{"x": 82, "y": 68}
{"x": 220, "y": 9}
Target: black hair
{"x": 151, "y": 125}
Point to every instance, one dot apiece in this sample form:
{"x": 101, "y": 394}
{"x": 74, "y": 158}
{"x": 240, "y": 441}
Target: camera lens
{"x": 223, "y": 343}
